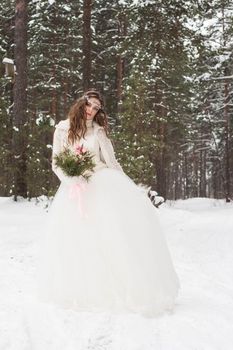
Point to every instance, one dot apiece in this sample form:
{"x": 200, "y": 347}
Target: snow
{"x": 7, "y": 60}
{"x": 42, "y": 118}
{"x": 199, "y": 233}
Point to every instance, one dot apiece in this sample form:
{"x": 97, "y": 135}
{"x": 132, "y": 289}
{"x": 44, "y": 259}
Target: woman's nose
{"x": 90, "y": 108}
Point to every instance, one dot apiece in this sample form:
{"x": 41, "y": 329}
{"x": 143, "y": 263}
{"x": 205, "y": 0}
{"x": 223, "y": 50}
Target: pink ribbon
{"x": 76, "y": 191}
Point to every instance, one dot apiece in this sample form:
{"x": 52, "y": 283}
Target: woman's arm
{"x": 57, "y": 148}
{"x": 107, "y": 150}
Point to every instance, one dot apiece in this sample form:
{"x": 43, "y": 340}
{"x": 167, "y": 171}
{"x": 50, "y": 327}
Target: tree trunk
{"x": 65, "y": 94}
{"x": 160, "y": 162}
{"x": 122, "y": 32}
{"x": 54, "y": 98}
{"x": 202, "y": 184}
{"x": 176, "y": 182}
{"x": 19, "y": 141}
{"x": 119, "y": 83}
{"x": 86, "y": 44}
{"x": 227, "y": 148}
{"x": 226, "y": 118}
{"x": 195, "y": 175}
{"x": 186, "y": 177}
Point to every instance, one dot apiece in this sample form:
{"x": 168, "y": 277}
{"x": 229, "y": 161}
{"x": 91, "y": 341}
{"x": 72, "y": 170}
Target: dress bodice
{"x": 91, "y": 143}
{"x": 95, "y": 140}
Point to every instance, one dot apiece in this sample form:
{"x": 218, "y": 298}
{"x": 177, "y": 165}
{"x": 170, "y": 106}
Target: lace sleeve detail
{"x": 57, "y": 148}
{"x": 107, "y": 150}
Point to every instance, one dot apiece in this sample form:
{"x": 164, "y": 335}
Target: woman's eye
{"x": 89, "y": 104}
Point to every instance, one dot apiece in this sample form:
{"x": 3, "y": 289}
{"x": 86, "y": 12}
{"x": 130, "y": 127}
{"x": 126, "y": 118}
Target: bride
{"x": 111, "y": 255}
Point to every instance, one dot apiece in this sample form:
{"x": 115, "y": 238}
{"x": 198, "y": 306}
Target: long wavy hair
{"x": 77, "y": 116}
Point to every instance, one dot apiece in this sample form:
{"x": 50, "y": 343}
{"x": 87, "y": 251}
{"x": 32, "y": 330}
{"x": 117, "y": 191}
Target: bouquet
{"x": 76, "y": 163}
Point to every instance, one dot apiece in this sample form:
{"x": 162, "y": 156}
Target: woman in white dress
{"x": 111, "y": 255}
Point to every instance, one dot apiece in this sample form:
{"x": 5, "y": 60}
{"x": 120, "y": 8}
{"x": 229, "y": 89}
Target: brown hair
{"x": 77, "y": 116}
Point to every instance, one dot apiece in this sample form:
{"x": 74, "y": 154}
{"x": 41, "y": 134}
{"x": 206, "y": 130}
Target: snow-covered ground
{"x": 199, "y": 233}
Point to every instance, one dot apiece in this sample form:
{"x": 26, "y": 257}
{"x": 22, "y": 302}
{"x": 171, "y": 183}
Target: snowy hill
{"x": 199, "y": 233}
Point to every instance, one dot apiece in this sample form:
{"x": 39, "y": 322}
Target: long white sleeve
{"x": 57, "y": 148}
{"x": 107, "y": 150}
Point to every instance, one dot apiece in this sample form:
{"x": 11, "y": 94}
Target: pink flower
{"x": 80, "y": 150}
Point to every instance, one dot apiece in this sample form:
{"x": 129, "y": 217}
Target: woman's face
{"x": 92, "y": 107}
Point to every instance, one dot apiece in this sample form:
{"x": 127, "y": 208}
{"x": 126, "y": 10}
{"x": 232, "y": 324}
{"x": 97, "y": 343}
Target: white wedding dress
{"x": 103, "y": 248}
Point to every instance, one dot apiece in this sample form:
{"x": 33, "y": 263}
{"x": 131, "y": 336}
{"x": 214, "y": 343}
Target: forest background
{"x": 165, "y": 69}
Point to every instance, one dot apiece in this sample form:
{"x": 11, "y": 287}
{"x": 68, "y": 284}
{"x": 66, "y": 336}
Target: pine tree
{"x": 20, "y": 124}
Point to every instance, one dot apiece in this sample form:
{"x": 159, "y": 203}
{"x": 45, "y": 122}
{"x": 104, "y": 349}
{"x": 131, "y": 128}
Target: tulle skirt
{"x": 103, "y": 250}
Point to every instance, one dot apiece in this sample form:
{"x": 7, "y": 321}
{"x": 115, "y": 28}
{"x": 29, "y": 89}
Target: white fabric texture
{"x": 98, "y": 143}
{"x": 112, "y": 255}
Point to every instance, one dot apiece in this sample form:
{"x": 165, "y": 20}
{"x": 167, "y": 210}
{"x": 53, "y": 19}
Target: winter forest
{"x": 165, "y": 69}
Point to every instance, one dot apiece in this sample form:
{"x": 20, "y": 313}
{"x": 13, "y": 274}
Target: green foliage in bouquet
{"x": 76, "y": 163}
